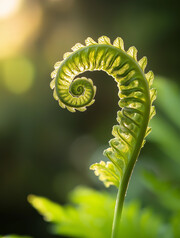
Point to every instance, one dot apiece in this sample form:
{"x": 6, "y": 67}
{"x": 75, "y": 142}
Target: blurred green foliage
{"x": 166, "y": 125}
{"x": 168, "y": 195}
{"x": 91, "y": 213}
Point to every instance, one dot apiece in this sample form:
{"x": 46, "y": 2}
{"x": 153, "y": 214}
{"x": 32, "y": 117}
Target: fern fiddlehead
{"x": 136, "y": 97}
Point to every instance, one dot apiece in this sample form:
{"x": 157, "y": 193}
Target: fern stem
{"x": 117, "y": 212}
{"x": 119, "y": 203}
{"x": 123, "y": 185}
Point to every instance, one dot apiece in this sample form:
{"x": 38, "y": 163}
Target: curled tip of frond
{"x": 132, "y": 51}
{"x": 77, "y": 100}
{"x": 150, "y": 78}
{"x": 104, "y": 40}
{"x": 119, "y": 43}
{"x": 77, "y": 47}
{"x": 143, "y": 63}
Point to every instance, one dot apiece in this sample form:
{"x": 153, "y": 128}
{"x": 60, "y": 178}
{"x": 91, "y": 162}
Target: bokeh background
{"x": 45, "y": 150}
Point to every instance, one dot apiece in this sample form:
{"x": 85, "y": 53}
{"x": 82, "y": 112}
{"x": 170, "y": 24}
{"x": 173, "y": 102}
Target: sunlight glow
{"x": 21, "y": 29}
{"x": 9, "y": 7}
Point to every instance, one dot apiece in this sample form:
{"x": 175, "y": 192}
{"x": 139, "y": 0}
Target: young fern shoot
{"x": 136, "y": 97}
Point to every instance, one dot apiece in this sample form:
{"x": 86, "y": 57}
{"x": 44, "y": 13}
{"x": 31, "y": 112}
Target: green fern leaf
{"x": 90, "y": 214}
{"x": 107, "y": 173}
{"x": 51, "y": 211}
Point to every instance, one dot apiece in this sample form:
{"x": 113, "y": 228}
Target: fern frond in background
{"x": 90, "y": 214}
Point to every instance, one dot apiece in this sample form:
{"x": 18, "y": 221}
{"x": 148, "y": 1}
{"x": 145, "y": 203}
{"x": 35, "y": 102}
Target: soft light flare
{"x": 9, "y": 7}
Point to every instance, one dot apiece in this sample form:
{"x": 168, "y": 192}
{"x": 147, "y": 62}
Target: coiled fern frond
{"x": 135, "y": 92}
{"x": 136, "y": 97}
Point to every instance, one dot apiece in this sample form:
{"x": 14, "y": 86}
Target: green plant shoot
{"x": 136, "y": 97}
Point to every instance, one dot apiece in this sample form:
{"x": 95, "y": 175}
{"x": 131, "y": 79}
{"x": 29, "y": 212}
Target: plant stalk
{"x": 119, "y": 204}
{"x": 123, "y": 185}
